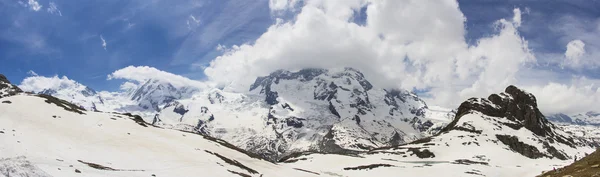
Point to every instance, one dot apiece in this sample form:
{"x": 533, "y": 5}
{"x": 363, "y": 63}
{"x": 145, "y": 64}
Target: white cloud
{"x": 53, "y": 9}
{"x": 128, "y": 86}
{"x": 34, "y": 5}
{"x": 141, "y": 74}
{"x": 575, "y": 50}
{"x": 278, "y": 5}
{"x": 32, "y": 73}
{"x": 517, "y": 17}
{"x": 103, "y": 42}
{"x": 581, "y": 95}
{"x": 582, "y": 37}
{"x": 39, "y": 83}
{"x": 192, "y": 22}
{"x": 400, "y": 46}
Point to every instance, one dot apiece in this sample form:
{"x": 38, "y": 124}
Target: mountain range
{"x": 311, "y": 122}
{"x": 588, "y": 118}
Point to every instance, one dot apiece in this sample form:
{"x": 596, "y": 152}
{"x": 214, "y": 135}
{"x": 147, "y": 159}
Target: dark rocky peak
{"x": 3, "y": 79}
{"x": 6, "y": 88}
{"x": 513, "y": 104}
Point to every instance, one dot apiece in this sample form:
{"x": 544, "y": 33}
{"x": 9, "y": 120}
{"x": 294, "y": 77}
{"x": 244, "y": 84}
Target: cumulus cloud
{"x": 53, "y": 9}
{"x": 128, "y": 86}
{"x": 277, "y": 5}
{"x": 581, "y": 95}
{"x": 404, "y": 44}
{"x": 103, "y": 42}
{"x": 141, "y": 74}
{"x": 575, "y": 50}
{"x": 37, "y": 83}
{"x": 407, "y": 44}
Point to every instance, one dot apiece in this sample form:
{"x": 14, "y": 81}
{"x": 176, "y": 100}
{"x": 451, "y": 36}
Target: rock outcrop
{"x": 6, "y": 88}
{"x": 516, "y": 109}
{"x": 513, "y": 104}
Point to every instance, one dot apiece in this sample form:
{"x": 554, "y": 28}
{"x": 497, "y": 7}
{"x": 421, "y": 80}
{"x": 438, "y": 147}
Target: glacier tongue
{"x": 318, "y": 110}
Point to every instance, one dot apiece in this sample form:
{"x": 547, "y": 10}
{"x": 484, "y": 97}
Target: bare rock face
{"x": 513, "y": 104}
{"x": 6, "y": 88}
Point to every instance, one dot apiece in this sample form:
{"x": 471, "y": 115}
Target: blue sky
{"x": 151, "y": 33}
{"x": 183, "y": 36}
{"x": 155, "y": 33}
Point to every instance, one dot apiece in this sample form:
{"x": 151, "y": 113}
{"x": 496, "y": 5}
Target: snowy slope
{"x": 335, "y": 111}
{"x": 504, "y": 135}
{"x": 588, "y": 132}
{"x": 55, "y": 142}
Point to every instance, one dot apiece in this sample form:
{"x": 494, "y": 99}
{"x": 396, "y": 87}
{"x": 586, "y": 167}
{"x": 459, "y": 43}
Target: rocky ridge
{"x": 6, "y": 88}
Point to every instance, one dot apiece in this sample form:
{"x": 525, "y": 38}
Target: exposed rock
{"x": 524, "y": 149}
{"x": 425, "y": 153}
{"x": 6, "y": 88}
{"x": 368, "y": 167}
{"x": 62, "y": 103}
{"x": 514, "y": 104}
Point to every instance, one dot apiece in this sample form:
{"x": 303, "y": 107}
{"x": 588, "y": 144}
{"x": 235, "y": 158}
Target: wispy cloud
{"x": 34, "y": 5}
{"x": 192, "y": 22}
{"x": 32, "y": 73}
{"x": 103, "y": 42}
{"x": 53, "y": 9}
{"x": 31, "y": 4}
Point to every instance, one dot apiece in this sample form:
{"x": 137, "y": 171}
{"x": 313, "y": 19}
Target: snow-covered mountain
{"x": 143, "y": 99}
{"x": 503, "y": 135}
{"x": 58, "y": 139}
{"x": 153, "y": 94}
{"x": 333, "y": 111}
{"x": 64, "y": 88}
{"x": 588, "y": 118}
{"x": 6, "y": 88}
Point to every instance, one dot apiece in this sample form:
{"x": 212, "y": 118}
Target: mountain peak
{"x": 346, "y": 75}
{"x": 505, "y": 114}
{"x": 4, "y": 79}
{"x": 6, "y": 88}
{"x": 153, "y": 93}
{"x": 513, "y": 104}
